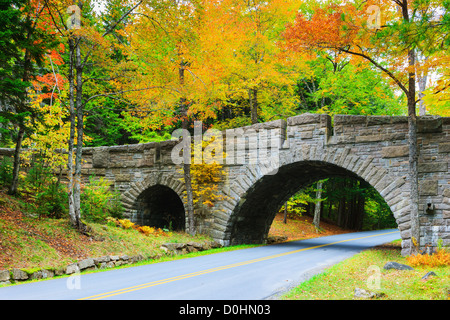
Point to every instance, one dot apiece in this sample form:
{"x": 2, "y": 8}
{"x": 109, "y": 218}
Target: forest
{"x": 85, "y": 73}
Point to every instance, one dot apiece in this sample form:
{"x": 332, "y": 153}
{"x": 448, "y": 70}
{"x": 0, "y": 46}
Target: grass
{"x": 31, "y": 243}
{"x": 364, "y": 269}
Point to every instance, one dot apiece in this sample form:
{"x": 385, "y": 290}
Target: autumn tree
{"x": 27, "y": 40}
{"x": 241, "y": 38}
{"x": 78, "y": 25}
{"x": 390, "y": 45}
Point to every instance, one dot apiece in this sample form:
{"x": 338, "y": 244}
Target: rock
{"x": 397, "y": 266}
{"x": 60, "y": 271}
{"x": 4, "y": 275}
{"x": 42, "y": 274}
{"x": 124, "y": 258}
{"x": 72, "y": 268}
{"x": 276, "y": 239}
{"x": 428, "y": 275}
{"x": 102, "y": 259}
{"x": 86, "y": 263}
{"x": 365, "y": 294}
{"x": 18, "y": 274}
{"x": 196, "y": 245}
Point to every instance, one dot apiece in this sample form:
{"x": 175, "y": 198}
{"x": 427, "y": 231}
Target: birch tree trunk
{"x": 413, "y": 157}
{"x": 187, "y": 164}
{"x": 316, "y": 220}
{"x": 79, "y": 148}
{"x": 72, "y": 216}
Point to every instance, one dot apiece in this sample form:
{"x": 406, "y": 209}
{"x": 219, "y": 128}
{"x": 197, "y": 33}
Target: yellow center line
{"x": 198, "y": 273}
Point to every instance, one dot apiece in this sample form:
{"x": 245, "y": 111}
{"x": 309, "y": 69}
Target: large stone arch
{"x": 157, "y": 189}
{"x": 266, "y": 187}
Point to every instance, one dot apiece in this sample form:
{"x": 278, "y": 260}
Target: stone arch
{"x": 155, "y": 201}
{"x": 286, "y": 173}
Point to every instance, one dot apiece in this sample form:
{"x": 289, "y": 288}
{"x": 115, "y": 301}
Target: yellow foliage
{"x": 125, "y": 223}
{"x": 146, "y": 230}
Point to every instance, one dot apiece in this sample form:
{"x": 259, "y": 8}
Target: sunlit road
{"x": 247, "y": 274}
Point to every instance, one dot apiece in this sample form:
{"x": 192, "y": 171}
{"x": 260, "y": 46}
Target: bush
{"x": 48, "y": 195}
{"x": 98, "y": 201}
{"x": 127, "y": 224}
{"x": 6, "y": 169}
{"x": 438, "y": 259}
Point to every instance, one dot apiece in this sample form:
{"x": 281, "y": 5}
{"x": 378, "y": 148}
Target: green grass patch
{"x": 365, "y": 269}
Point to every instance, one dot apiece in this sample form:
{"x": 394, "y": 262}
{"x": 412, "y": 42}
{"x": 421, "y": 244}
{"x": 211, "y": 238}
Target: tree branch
{"x": 376, "y": 64}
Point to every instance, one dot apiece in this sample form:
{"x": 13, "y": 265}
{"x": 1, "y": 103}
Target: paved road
{"x": 247, "y": 274}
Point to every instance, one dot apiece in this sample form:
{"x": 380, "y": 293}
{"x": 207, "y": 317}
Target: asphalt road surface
{"x": 247, "y": 274}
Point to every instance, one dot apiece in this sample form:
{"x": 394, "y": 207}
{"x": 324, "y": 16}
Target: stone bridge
{"x": 296, "y": 153}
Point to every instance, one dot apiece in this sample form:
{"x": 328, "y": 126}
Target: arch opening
{"x": 160, "y": 207}
{"x": 252, "y": 217}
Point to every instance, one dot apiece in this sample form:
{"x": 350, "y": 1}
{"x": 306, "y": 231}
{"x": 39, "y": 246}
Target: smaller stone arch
{"x": 156, "y": 201}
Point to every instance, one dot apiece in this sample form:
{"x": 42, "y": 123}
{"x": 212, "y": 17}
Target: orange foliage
{"x": 438, "y": 259}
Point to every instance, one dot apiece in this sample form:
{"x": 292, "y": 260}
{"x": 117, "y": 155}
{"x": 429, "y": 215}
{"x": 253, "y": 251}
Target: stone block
{"x": 122, "y": 177}
{"x": 378, "y": 120}
{"x": 429, "y": 124}
{"x": 346, "y": 119}
{"x": 444, "y": 147}
{"x": 305, "y": 118}
{"x": 395, "y": 151}
{"x": 433, "y": 167}
{"x": 428, "y": 187}
{"x": 100, "y": 158}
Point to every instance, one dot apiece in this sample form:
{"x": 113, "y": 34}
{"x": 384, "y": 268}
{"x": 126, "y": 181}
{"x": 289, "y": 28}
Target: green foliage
{"x": 98, "y": 201}
{"x": 378, "y": 215}
{"x": 6, "y": 168}
{"x": 296, "y": 205}
{"x": 48, "y": 195}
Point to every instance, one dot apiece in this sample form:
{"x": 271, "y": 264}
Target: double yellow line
{"x": 198, "y": 273}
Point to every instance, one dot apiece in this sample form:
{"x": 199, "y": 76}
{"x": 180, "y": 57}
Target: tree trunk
{"x": 72, "y": 216}
{"x": 79, "y": 148}
{"x": 25, "y": 78}
{"x": 187, "y": 166}
{"x": 413, "y": 155}
{"x": 318, "y": 205}
{"x": 16, "y": 168}
{"x": 285, "y": 213}
{"x": 422, "y": 86}
{"x": 253, "y": 97}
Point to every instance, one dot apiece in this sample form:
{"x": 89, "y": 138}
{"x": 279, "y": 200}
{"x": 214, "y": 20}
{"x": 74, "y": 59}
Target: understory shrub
{"x": 98, "y": 201}
{"x": 438, "y": 259}
{"x": 6, "y": 169}
{"x": 47, "y": 194}
{"x": 127, "y": 224}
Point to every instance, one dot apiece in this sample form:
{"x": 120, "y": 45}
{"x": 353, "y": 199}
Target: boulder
{"x": 4, "y": 276}
{"x": 397, "y": 266}
{"x": 72, "y": 268}
{"x": 366, "y": 294}
{"x": 428, "y": 275}
{"x": 86, "y": 263}
{"x": 42, "y": 274}
{"x": 18, "y": 274}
